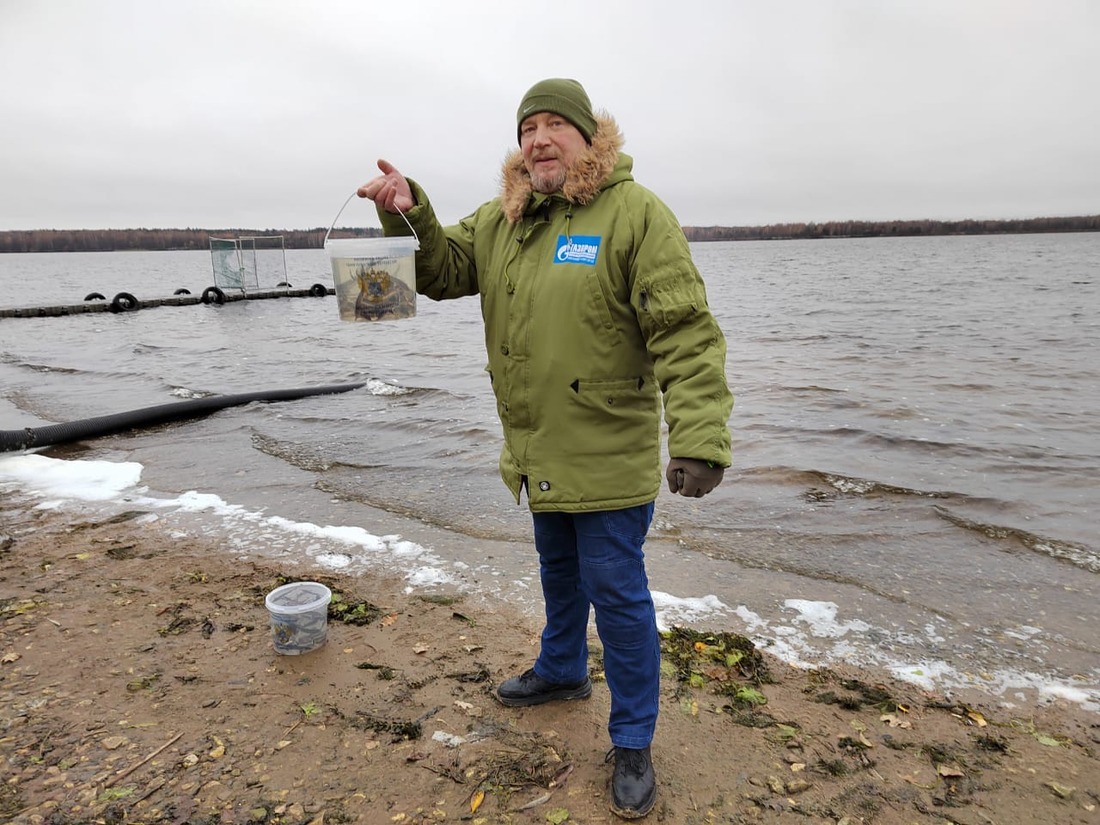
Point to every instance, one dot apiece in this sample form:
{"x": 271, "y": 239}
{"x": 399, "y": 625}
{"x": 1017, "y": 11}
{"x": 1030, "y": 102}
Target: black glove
{"x": 691, "y": 477}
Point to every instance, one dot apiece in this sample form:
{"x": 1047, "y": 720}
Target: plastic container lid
{"x": 298, "y": 597}
{"x": 396, "y": 246}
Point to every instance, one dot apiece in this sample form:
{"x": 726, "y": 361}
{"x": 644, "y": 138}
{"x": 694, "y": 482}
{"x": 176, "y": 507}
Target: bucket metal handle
{"x": 352, "y": 195}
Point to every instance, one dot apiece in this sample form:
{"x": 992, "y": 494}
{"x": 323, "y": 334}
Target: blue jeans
{"x": 596, "y": 559}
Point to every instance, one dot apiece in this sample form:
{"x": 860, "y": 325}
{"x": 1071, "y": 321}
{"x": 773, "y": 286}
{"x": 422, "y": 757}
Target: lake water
{"x": 916, "y": 443}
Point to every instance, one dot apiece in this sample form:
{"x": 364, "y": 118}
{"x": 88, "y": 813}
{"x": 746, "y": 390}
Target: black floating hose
{"x": 108, "y": 424}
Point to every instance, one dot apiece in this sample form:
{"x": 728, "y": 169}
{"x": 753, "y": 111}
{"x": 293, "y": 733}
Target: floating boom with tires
{"x": 127, "y": 302}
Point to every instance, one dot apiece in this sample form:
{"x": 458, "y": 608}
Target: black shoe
{"x": 531, "y": 689}
{"x": 633, "y": 785}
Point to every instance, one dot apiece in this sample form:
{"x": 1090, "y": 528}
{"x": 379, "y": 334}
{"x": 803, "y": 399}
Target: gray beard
{"x": 548, "y": 184}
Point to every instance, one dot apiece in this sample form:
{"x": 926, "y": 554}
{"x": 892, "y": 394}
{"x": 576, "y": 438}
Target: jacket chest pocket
{"x": 597, "y": 300}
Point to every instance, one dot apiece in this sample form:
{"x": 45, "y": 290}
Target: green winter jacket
{"x": 594, "y": 313}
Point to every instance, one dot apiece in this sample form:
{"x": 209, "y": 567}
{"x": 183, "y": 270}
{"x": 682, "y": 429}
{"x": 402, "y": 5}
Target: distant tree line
{"x": 114, "y": 240}
{"x": 880, "y": 229}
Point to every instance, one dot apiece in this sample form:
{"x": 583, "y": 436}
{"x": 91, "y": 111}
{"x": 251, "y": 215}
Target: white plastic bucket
{"x": 375, "y": 278}
{"x": 299, "y": 616}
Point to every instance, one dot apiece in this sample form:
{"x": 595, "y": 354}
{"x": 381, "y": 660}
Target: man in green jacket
{"x": 594, "y": 316}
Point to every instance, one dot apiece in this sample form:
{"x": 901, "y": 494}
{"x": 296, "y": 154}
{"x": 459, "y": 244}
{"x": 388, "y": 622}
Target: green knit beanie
{"x": 562, "y": 97}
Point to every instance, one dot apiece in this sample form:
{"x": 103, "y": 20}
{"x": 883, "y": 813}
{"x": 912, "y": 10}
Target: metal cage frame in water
{"x": 249, "y": 262}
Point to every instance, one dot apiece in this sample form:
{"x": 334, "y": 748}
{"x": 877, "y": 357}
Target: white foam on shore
{"x": 821, "y": 618}
{"x": 673, "y": 610}
{"x": 56, "y": 481}
{"x": 857, "y": 643}
{"x": 814, "y": 635}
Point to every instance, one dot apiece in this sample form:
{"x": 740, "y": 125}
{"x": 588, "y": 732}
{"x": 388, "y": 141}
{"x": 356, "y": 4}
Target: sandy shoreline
{"x": 139, "y": 684}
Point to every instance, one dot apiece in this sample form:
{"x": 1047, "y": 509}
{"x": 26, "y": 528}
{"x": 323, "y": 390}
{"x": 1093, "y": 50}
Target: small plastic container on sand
{"x": 299, "y": 616}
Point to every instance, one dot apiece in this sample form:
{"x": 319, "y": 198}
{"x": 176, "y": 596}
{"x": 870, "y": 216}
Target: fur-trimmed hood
{"x": 583, "y": 180}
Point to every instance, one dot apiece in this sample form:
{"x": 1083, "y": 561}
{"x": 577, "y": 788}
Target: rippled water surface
{"x": 915, "y": 429}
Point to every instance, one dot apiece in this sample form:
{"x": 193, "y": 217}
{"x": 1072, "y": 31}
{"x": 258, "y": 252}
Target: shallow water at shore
{"x": 914, "y": 438}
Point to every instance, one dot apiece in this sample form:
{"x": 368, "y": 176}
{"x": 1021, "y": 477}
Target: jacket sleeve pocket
{"x": 671, "y": 300}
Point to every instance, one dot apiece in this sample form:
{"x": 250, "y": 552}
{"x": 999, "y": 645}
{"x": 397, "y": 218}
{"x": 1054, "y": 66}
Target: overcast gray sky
{"x": 267, "y": 114}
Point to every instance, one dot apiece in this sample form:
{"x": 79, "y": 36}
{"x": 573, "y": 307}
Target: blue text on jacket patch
{"x": 578, "y": 249}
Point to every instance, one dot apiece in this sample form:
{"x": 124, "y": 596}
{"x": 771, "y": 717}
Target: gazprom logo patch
{"x": 578, "y": 249}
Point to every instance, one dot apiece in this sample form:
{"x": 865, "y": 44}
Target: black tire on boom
{"x": 213, "y": 295}
{"x": 124, "y": 302}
